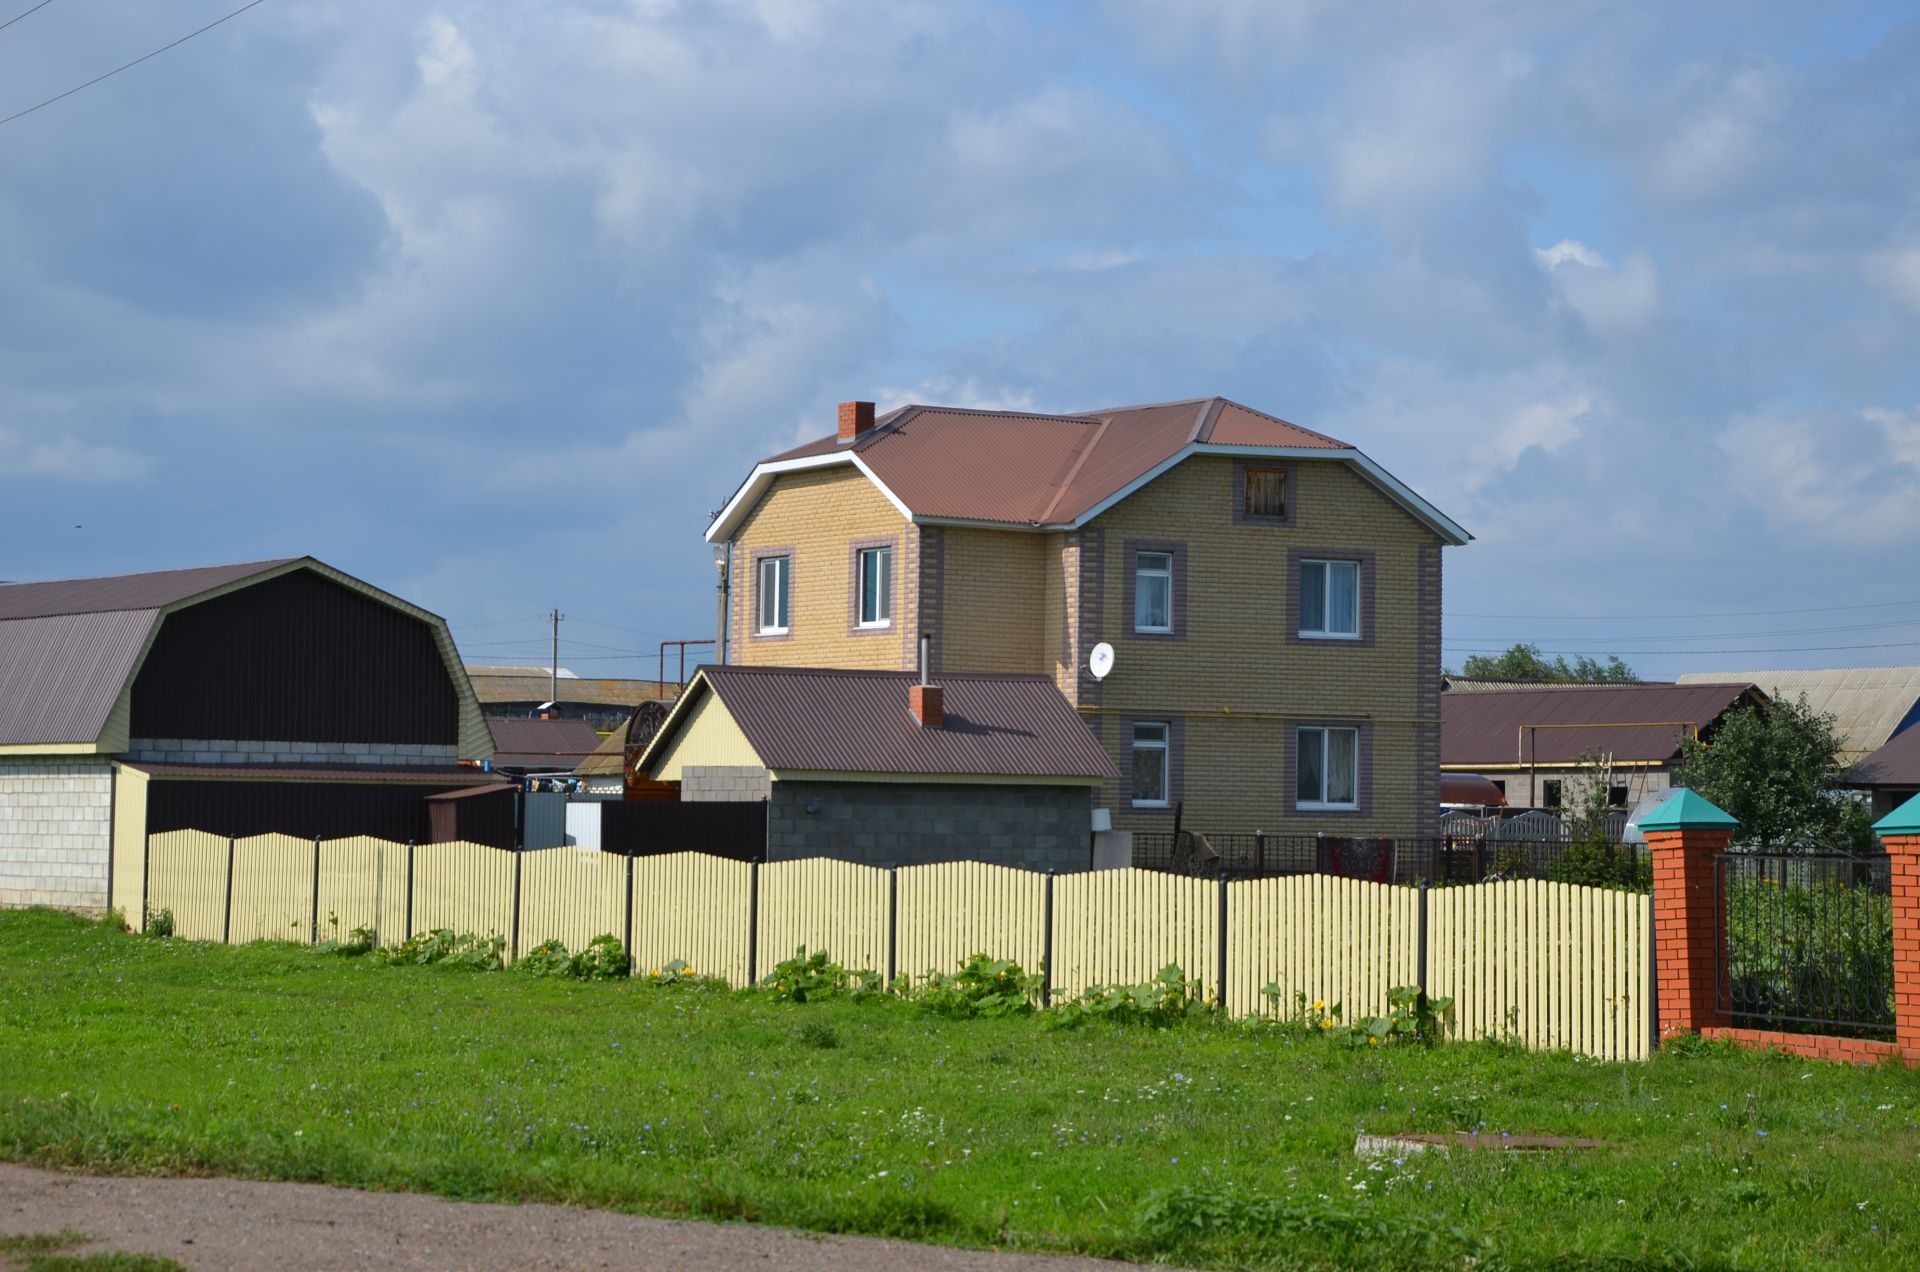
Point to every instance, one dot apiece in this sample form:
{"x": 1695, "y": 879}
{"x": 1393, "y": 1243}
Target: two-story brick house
{"x": 1272, "y": 595}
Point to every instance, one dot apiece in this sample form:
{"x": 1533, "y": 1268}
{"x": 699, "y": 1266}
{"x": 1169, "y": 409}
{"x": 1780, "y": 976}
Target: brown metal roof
{"x": 1896, "y": 765}
{"x": 1033, "y": 468}
{"x": 123, "y": 591}
{"x": 820, "y": 720}
{"x": 421, "y": 775}
{"x": 61, "y": 675}
{"x": 514, "y": 684}
{"x": 1642, "y": 723}
{"x": 543, "y": 744}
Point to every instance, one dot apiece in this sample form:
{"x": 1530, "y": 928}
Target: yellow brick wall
{"x": 820, "y": 513}
{"x": 1236, "y": 679}
{"x": 994, "y": 604}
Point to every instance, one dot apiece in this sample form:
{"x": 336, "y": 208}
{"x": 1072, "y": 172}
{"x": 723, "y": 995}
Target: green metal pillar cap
{"x": 1904, "y": 820}
{"x": 1689, "y": 811}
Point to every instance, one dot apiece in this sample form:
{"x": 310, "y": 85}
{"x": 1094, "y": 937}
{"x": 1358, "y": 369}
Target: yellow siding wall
{"x": 129, "y": 841}
{"x": 820, "y": 514}
{"x": 1236, "y": 679}
{"x": 709, "y": 736}
{"x": 994, "y": 600}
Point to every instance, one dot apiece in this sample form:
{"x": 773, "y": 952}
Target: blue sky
{"x": 492, "y": 304}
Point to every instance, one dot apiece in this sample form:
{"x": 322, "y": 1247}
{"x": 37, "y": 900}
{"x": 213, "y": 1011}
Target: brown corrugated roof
{"x": 543, "y": 744}
{"x": 68, "y": 646}
{"x": 822, "y": 720}
{"x": 1642, "y": 723}
{"x": 123, "y": 591}
{"x": 1897, "y": 764}
{"x": 955, "y": 462}
{"x": 513, "y": 684}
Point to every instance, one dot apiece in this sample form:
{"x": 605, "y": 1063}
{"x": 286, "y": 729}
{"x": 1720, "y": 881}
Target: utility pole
{"x": 553, "y": 685}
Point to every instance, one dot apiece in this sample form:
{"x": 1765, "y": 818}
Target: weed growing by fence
{"x": 1412, "y": 1017}
{"x": 603, "y": 959}
{"x": 265, "y": 1061}
{"x": 1168, "y": 999}
{"x": 984, "y": 986}
{"x": 449, "y": 948}
{"x": 813, "y": 977}
{"x": 160, "y": 923}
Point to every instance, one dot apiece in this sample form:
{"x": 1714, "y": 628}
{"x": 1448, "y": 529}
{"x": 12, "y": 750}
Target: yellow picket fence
{"x": 1549, "y": 964}
{"x": 1317, "y": 938}
{"x": 1553, "y": 965}
{"x": 954, "y": 910}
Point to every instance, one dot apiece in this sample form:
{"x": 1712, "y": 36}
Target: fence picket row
{"x": 1552, "y": 965}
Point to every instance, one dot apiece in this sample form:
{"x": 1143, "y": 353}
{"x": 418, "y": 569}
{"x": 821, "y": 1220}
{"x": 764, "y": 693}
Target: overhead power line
{"x": 145, "y": 57}
{"x": 29, "y": 13}
{"x": 1590, "y": 638}
{"x": 1633, "y": 618}
{"x": 1696, "y": 653}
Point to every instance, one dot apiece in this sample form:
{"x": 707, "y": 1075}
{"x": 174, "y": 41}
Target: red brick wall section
{"x": 1816, "y": 1046}
{"x": 1686, "y": 930}
{"x": 1903, "y": 852}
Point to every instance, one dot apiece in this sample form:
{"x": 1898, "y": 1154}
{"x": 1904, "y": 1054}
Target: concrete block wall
{"x": 914, "y": 823}
{"x": 723, "y": 783}
{"x": 232, "y": 751}
{"x": 55, "y": 831}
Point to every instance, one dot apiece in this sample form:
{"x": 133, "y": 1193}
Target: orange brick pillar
{"x": 1684, "y": 835}
{"x": 1899, "y": 831}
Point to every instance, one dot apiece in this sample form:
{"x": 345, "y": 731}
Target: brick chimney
{"x": 855, "y": 419}
{"x": 927, "y": 702}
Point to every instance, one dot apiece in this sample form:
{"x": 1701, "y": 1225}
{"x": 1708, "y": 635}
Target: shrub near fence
{"x": 1552, "y": 964}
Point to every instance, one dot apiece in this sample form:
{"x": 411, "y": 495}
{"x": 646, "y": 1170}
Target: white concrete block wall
{"x": 56, "y": 823}
{"x": 227, "y": 751}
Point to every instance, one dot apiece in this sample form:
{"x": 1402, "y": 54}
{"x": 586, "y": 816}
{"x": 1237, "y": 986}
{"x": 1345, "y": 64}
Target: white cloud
{"x": 1848, "y": 479}
{"x": 41, "y": 452}
{"x": 1608, "y": 297}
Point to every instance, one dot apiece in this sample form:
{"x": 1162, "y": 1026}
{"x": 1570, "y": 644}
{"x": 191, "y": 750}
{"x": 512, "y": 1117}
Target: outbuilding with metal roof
{"x": 280, "y": 695}
{"x": 873, "y": 766}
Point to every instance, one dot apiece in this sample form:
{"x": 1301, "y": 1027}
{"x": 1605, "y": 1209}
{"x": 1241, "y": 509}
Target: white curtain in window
{"x": 1342, "y": 766}
{"x": 1313, "y": 596}
{"x": 1343, "y": 598}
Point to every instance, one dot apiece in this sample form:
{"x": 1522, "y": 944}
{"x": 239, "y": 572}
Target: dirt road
{"x": 210, "y": 1225}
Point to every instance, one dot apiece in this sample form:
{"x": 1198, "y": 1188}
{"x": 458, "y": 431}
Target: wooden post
{"x": 1420, "y": 942}
{"x": 513, "y": 948}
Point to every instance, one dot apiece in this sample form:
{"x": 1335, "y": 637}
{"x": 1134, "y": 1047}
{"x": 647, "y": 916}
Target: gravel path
{"x": 214, "y": 1224}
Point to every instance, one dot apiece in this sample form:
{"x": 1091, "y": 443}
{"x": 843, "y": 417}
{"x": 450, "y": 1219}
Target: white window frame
{"x": 883, "y": 598}
{"x": 1141, "y": 572}
{"x": 1164, "y": 748}
{"x": 1325, "y": 733}
{"x": 1322, "y": 632}
{"x": 780, "y": 593}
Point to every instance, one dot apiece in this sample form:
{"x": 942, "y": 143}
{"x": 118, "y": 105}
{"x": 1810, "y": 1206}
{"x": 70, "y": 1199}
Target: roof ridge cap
{"x": 1268, "y": 415}
{"x": 141, "y": 574}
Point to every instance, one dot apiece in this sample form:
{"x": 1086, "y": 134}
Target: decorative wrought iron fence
{"x": 1806, "y": 941}
{"x": 1442, "y": 859}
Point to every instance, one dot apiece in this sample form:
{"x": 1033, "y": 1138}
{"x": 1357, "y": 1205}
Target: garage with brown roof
{"x": 873, "y": 766}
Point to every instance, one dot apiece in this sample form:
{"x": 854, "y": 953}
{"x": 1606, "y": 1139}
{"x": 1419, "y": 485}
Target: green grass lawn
{"x": 1206, "y": 1144}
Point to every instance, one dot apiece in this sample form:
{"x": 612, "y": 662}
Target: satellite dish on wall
{"x": 1100, "y": 660}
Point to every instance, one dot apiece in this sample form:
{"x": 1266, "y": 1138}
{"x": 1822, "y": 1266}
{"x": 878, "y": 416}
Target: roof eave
{"x": 677, "y": 717}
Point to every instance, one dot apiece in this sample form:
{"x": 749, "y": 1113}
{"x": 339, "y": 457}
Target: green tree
{"x": 1777, "y": 769}
{"x": 1527, "y": 662}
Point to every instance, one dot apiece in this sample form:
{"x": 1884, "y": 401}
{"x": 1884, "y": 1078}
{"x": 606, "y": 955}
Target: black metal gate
{"x": 1805, "y": 941}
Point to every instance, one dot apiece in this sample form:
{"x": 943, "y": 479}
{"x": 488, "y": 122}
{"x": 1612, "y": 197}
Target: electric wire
{"x": 147, "y": 57}
{"x": 29, "y": 13}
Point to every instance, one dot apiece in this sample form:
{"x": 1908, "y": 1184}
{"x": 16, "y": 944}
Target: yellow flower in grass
{"x": 654, "y": 972}
{"x": 1319, "y": 1004}
{"x": 1373, "y": 1042}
